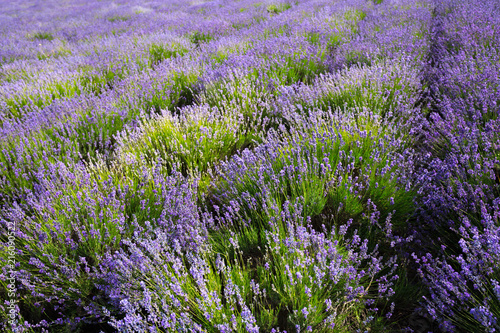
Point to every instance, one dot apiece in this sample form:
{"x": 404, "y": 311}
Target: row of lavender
{"x": 242, "y": 166}
{"x": 460, "y": 193}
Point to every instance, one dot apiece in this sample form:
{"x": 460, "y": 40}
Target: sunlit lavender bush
{"x": 250, "y": 166}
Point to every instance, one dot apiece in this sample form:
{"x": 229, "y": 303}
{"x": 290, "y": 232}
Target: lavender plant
{"x": 73, "y": 219}
{"x": 293, "y": 286}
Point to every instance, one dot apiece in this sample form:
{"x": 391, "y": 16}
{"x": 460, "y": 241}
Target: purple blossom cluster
{"x": 74, "y": 218}
{"x": 250, "y": 166}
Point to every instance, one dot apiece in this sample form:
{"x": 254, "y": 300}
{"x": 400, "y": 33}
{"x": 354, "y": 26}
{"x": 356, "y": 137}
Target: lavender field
{"x": 250, "y": 166}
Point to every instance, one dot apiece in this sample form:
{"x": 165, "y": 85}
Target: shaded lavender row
{"x": 255, "y": 171}
{"x": 70, "y": 215}
{"x": 461, "y": 189}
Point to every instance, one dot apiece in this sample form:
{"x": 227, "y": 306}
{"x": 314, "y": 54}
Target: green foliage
{"x": 278, "y": 8}
{"x": 281, "y": 30}
{"x": 97, "y": 81}
{"x": 194, "y": 140}
{"x": 172, "y": 91}
{"x": 235, "y": 93}
{"x": 259, "y": 18}
{"x": 182, "y": 94}
{"x": 42, "y": 36}
{"x": 239, "y": 26}
{"x": 298, "y": 69}
{"x": 219, "y": 57}
{"x": 354, "y": 16}
{"x": 118, "y": 32}
{"x": 61, "y": 52}
{"x": 332, "y": 41}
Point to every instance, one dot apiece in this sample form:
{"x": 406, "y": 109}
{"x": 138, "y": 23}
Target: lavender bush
{"x": 307, "y": 280}
{"x": 461, "y": 188}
